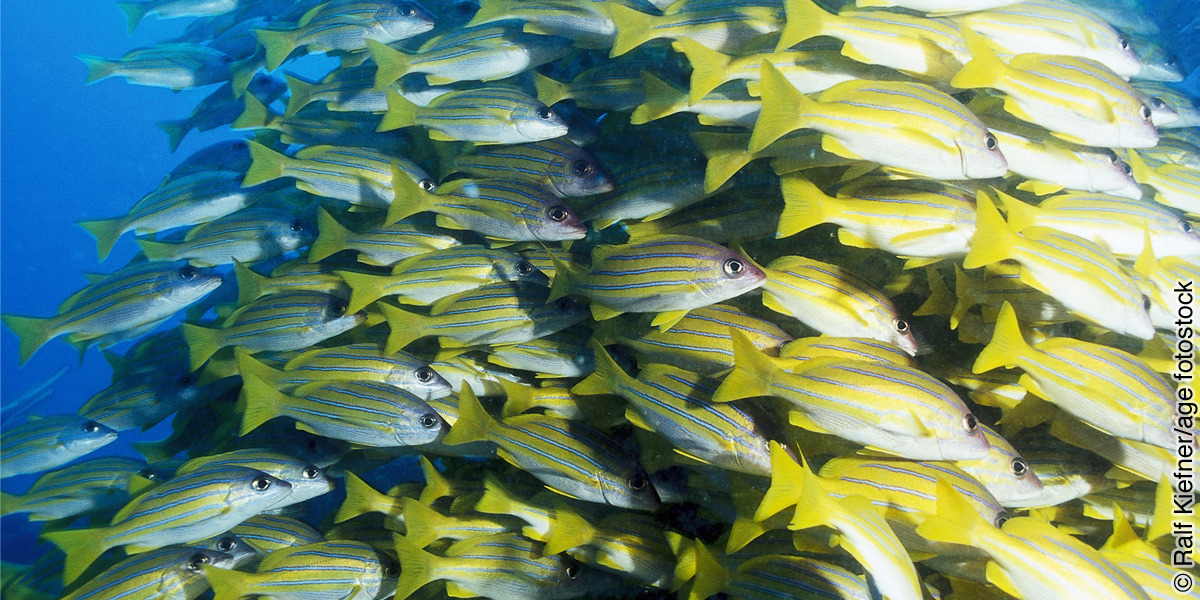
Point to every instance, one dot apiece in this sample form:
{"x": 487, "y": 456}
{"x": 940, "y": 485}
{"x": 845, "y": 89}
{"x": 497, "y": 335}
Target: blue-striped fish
{"x": 850, "y": 348}
{"x": 1004, "y": 472}
{"x": 1179, "y": 101}
{"x": 143, "y": 399}
{"x": 425, "y": 525}
{"x": 186, "y": 509}
{"x": 347, "y": 89}
{"x": 615, "y": 85}
{"x": 345, "y": 25}
{"x": 587, "y": 23}
{"x": 429, "y": 277}
{"x": 778, "y": 577}
{"x": 905, "y": 126}
{"x": 357, "y": 175}
{"x": 678, "y": 405}
{"x": 293, "y": 275}
{"x": 354, "y": 362}
{"x": 483, "y": 53}
{"x": 558, "y": 166}
{"x": 93, "y": 485}
{"x": 140, "y": 293}
{"x": 630, "y": 544}
{"x": 557, "y": 355}
{"x": 1177, "y": 186}
{"x": 501, "y": 209}
{"x": 570, "y": 458}
{"x": 249, "y": 235}
{"x": 497, "y": 313}
{"x": 268, "y": 533}
{"x": 724, "y": 27}
{"x": 922, "y": 420}
{"x": 174, "y": 9}
{"x": 380, "y": 245}
{"x": 334, "y": 570}
{"x": 650, "y": 190}
{"x": 668, "y": 274}
{"x": 484, "y": 115}
{"x": 287, "y": 321}
{"x": 46, "y": 442}
{"x": 360, "y": 412}
{"x": 307, "y": 480}
{"x": 174, "y": 66}
{"x": 173, "y": 572}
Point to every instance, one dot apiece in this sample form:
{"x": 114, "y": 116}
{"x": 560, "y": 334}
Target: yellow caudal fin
{"x": 955, "y": 522}
{"x": 266, "y": 164}
{"x": 400, "y": 112}
{"x": 261, "y": 401}
{"x": 550, "y": 91}
{"x": 984, "y": 69}
{"x": 604, "y": 379}
{"x": 416, "y": 566}
{"x": 993, "y": 239}
{"x": 1018, "y": 214}
{"x": 804, "y": 20}
{"x": 711, "y": 577}
{"x": 176, "y": 130}
{"x": 277, "y": 43}
{"x": 251, "y": 285}
{"x": 662, "y": 100}
{"x": 1161, "y": 519}
{"x": 302, "y": 94}
{"x": 1142, "y": 172}
{"x": 787, "y": 483}
{"x": 365, "y": 289}
{"x": 32, "y": 332}
{"x": 782, "y": 105}
{"x": 409, "y": 199}
{"x": 941, "y": 300}
{"x": 566, "y": 276}
{"x": 331, "y": 239}
{"x": 633, "y": 28}
{"x": 361, "y": 499}
{"x": 473, "y": 422}
{"x": 202, "y": 343}
{"x": 242, "y": 72}
{"x": 726, "y": 154}
{"x": 391, "y": 64}
{"x": 227, "y": 584}
{"x": 966, "y": 292}
{"x": 708, "y": 67}
{"x": 496, "y": 499}
{"x": 570, "y": 530}
{"x": 405, "y": 327}
{"x": 98, "y": 68}
{"x": 82, "y": 547}
{"x": 134, "y": 13}
{"x": 804, "y": 205}
{"x": 10, "y": 503}
{"x": 1007, "y": 348}
{"x": 422, "y": 523}
{"x": 752, "y": 371}
{"x": 255, "y": 116}
{"x": 518, "y": 398}
{"x": 106, "y": 232}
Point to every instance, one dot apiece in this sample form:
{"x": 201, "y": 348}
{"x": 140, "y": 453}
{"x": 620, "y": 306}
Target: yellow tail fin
{"x": 550, "y": 91}
{"x": 134, "y": 13}
{"x": 362, "y": 499}
{"x": 32, "y": 333}
{"x": 984, "y": 69}
{"x": 406, "y": 327}
{"x": 176, "y": 130}
{"x": 98, "y": 68}
{"x": 202, "y": 343}
{"x": 416, "y": 567}
{"x": 752, "y": 371}
{"x": 993, "y": 239}
{"x": 726, "y": 154}
{"x": 606, "y": 376}
{"x": 267, "y": 164}
{"x": 804, "y": 205}
{"x": 262, "y": 402}
{"x": 82, "y": 547}
{"x": 782, "y": 105}
{"x": 227, "y": 584}
{"x": 1007, "y": 348}
{"x": 473, "y": 422}
{"x": 400, "y": 112}
{"x": 633, "y": 28}
{"x": 278, "y": 45}
{"x": 302, "y": 94}
{"x": 804, "y": 20}
{"x": 662, "y": 100}
{"x": 392, "y": 64}
{"x": 570, "y": 531}
{"x": 364, "y": 289}
{"x": 787, "y": 483}
{"x": 331, "y": 239}
{"x": 708, "y": 67}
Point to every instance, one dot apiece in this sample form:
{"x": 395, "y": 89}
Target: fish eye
{"x": 524, "y": 267}
{"x": 226, "y": 544}
{"x": 1123, "y": 42}
{"x": 1019, "y": 468}
{"x": 572, "y": 571}
{"x": 734, "y": 267}
{"x": 408, "y": 10}
{"x": 1001, "y": 519}
{"x": 563, "y": 303}
{"x": 1145, "y": 302}
{"x": 1145, "y": 112}
{"x": 901, "y": 325}
{"x": 197, "y": 560}
{"x": 337, "y": 308}
{"x": 557, "y": 213}
{"x": 390, "y": 571}
{"x": 1157, "y": 102}
{"x": 425, "y": 374}
{"x": 426, "y": 184}
{"x": 147, "y": 473}
{"x": 990, "y": 141}
{"x": 227, "y": 59}
{"x": 91, "y": 427}
{"x": 186, "y": 380}
{"x": 1187, "y": 227}
{"x": 637, "y": 483}
{"x": 188, "y": 272}
{"x": 298, "y": 225}
{"x": 1171, "y": 61}
{"x": 543, "y": 113}
{"x": 428, "y": 421}
{"x": 581, "y": 167}
{"x": 261, "y": 483}
{"x": 1125, "y": 168}
{"x": 971, "y": 423}
{"x": 310, "y": 472}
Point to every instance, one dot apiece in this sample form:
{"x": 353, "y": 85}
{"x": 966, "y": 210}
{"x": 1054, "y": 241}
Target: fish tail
{"x": 708, "y": 67}
{"x": 176, "y": 130}
{"x": 98, "y": 68}
{"x": 966, "y": 292}
{"x": 1161, "y": 519}
{"x": 416, "y": 566}
{"x": 984, "y": 69}
{"x": 33, "y": 332}
{"x": 361, "y": 499}
{"x": 202, "y": 343}
{"x": 331, "y": 238}
{"x": 633, "y": 28}
{"x": 408, "y": 198}
{"x": 550, "y": 91}
{"x": 804, "y": 205}
{"x": 261, "y": 401}
{"x": 436, "y": 484}
{"x": 250, "y": 284}
{"x": 813, "y": 504}
{"x": 993, "y": 237}
{"x": 157, "y": 250}
{"x": 804, "y": 20}
{"x": 241, "y": 73}
{"x": 1141, "y": 171}
{"x": 255, "y": 116}
{"x": 248, "y": 366}
{"x": 711, "y": 577}
{"x": 489, "y": 10}
{"x": 495, "y": 499}
{"x": 604, "y": 378}
{"x": 227, "y": 584}
{"x": 153, "y": 451}
{"x": 684, "y": 550}
{"x": 1007, "y": 347}
{"x": 725, "y": 159}
{"x": 266, "y": 165}
{"x": 106, "y": 232}
{"x": 82, "y": 547}
{"x": 941, "y": 300}
{"x": 400, "y": 112}
{"x": 565, "y": 278}
{"x": 278, "y": 45}
{"x": 473, "y": 422}
{"x": 422, "y": 523}
{"x": 10, "y": 503}
{"x": 391, "y": 64}
{"x": 364, "y": 289}
{"x": 787, "y": 484}
{"x": 782, "y": 104}
{"x": 134, "y": 13}
{"x": 1018, "y": 214}
{"x": 955, "y": 520}
{"x": 518, "y": 398}
{"x": 751, "y": 374}
{"x": 569, "y": 531}
{"x": 302, "y": 94}
{"x": 406, "y": 327}
{"x": 661, "y": 100}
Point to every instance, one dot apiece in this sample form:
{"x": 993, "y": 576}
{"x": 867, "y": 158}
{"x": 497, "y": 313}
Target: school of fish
{"x": 497, "y": 299}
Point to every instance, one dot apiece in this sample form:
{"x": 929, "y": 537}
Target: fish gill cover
{"x": 570, "y": 299}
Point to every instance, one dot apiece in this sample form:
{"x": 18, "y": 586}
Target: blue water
{"x": 70, "y": 152}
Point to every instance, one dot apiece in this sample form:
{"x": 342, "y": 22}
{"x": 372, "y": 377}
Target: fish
{"x": 379, "y": 245}
{"x": 631, "y": 544}
{"x": 353, "y": 362}
{"x": 174, "y": 66}
{"x": 268, "y": 533}
{"x": 249, "y": 235}
{"x": 345, "y": 25}
{"x": 723, "y": 27}
{"x": 172, "y": 572}
{"x": 140, "y": 293}
{"x": 143, "y": 400}
{"x": 485, "y": 53}
{"x": 174, "y": 9}
{"x": 46, "y": 442}
{"x": 307, "y": 480}
{"x": 486, "y": 115}
{"x": 94, "y": 485}
{"x": 221, "y": 108}
{"x": 361, "y": 176}
{"x": 649, "y": 191}
{"x": 331, "y": 569}
{"x": 557, "y": 165}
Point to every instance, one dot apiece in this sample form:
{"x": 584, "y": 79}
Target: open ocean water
{"x": 72, "y": 152}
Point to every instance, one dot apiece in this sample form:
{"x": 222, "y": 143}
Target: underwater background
{"x": 71, "y": 152}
